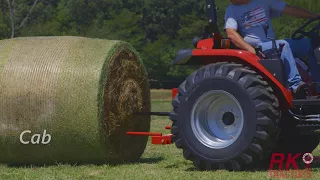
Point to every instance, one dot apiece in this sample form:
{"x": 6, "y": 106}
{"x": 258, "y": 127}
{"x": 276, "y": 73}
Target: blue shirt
{"x": 249, "y": 19}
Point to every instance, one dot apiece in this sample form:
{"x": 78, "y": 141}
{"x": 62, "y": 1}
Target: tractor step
{"x": 307, "y": 111}
{"x": 307, "y": 118}
{"x": 309, "y": 125}
{"x": 311, "y": 101}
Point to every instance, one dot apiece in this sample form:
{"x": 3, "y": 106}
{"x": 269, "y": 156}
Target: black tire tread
{"x": 258, "y": 89}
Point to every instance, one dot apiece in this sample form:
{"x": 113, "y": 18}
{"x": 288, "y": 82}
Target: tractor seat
{"x": 271, "y": 54}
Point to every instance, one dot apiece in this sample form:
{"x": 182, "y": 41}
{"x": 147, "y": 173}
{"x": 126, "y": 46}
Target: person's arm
{"x": 299, "y": 12}
{"x": 238, "y": 41}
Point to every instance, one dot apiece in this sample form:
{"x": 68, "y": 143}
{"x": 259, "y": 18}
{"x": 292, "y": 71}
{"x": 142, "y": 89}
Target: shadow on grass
{"x": 172, "y": 166}
{"x": 264, "y": 167}
{"x": 152, "y": 160}
{"x": 315, "y": 165}
{"x": 195, "y": 169}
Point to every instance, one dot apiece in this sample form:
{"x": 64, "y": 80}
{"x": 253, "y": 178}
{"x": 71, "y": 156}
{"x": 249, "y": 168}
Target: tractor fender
{"x": 208, "y": 56}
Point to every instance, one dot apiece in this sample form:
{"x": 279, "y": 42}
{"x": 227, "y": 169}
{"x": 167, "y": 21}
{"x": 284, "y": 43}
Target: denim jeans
{"x": 303, "y": 48}
{"x": 291, "y": 71}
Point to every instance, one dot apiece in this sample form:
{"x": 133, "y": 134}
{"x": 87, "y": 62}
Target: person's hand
{"x": 258, "y": 53}
{"x": 252, "y": 50}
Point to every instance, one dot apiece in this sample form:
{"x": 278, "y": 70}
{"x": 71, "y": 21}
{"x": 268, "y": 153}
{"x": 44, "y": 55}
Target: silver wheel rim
{"x": 217, "y": 119}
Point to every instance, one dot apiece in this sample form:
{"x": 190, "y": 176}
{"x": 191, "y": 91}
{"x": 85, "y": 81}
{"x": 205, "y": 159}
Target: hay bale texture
{"x": 83, "y": 92}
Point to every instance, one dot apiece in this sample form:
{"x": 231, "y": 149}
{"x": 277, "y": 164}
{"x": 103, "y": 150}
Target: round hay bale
{"x": 82, "y": 92}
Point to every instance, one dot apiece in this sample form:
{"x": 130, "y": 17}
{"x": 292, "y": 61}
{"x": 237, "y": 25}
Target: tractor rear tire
{"x": 226, "y": 96}
{"x": 296, "y": 142}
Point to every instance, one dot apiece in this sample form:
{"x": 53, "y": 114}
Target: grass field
{"x": 158, "y": 162}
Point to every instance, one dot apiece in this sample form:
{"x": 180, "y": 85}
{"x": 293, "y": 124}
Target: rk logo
{"x": 285, "y": 165}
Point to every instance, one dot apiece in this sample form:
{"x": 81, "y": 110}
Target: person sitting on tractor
{"x": 244, "y": 24}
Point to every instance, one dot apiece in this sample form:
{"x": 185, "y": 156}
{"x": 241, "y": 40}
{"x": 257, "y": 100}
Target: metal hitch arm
{"x": 156, "y": 138}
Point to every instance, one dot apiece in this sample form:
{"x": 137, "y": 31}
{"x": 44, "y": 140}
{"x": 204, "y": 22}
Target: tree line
{"x": 156, "y": 28}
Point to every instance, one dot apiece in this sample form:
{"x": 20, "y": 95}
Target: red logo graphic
{"x": 307, "y": 158}
{"x": 254, "y": 17}
{"x": 282, "y": 167}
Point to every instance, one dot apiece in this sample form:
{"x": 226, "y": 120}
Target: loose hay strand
{"x": 83, "y": 91}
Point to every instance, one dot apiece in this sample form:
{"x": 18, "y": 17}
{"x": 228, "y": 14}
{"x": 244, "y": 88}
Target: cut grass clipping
{"x": 83, "y": 92}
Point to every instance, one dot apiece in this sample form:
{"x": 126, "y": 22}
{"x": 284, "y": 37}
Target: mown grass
{"x": 158, "y": 162}
{"x": 160, "y": 94}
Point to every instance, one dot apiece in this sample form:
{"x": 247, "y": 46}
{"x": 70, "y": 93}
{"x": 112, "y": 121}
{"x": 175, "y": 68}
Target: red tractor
{"x": 236, "y": 110}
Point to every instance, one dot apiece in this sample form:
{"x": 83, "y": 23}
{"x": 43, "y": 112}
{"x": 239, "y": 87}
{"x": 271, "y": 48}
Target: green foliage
{"x": 157, "y": 29}
{"x": 4, "y": 28}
